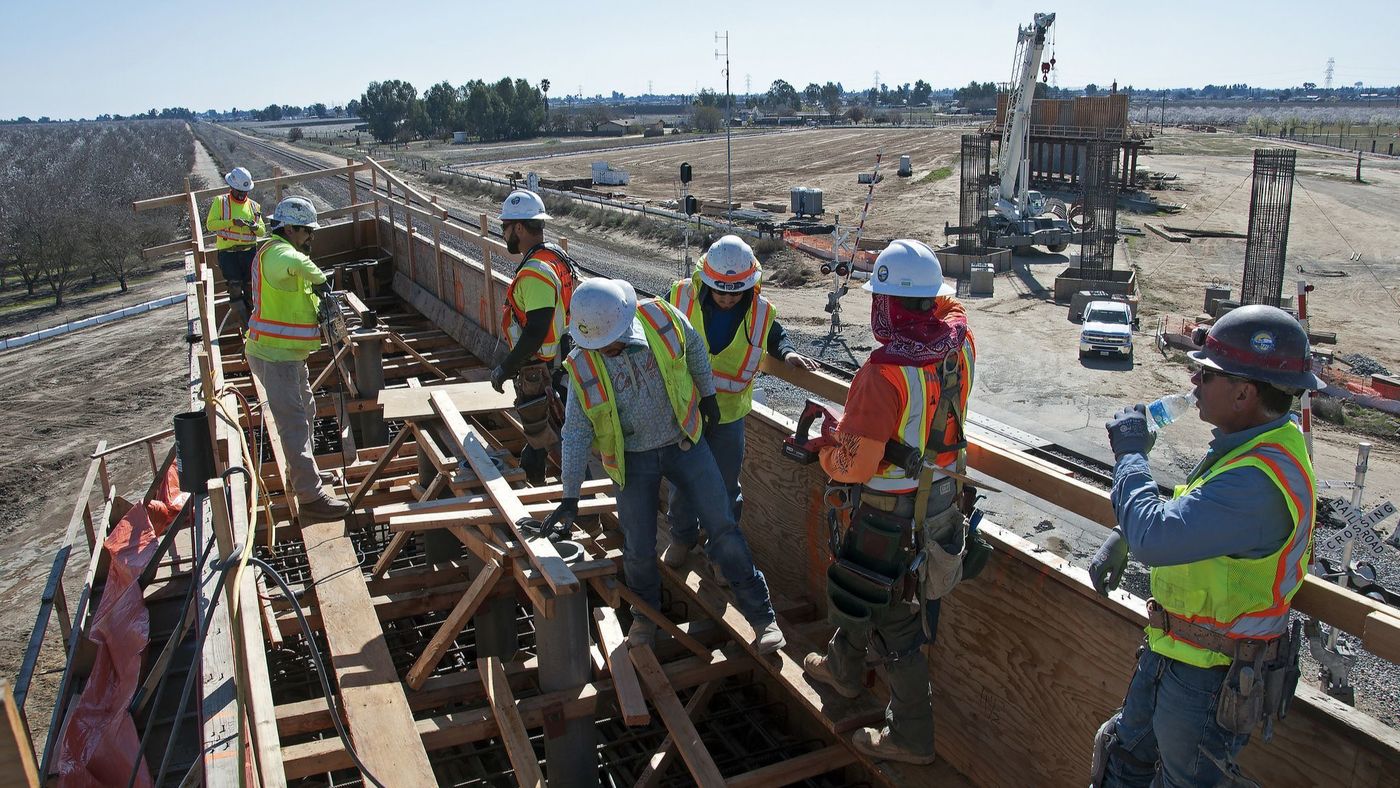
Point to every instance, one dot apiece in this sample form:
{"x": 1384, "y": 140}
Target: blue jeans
{"x": 695, "y": 474}
{"x": 1167, "y": 717}
{"x": 727, "y": 445}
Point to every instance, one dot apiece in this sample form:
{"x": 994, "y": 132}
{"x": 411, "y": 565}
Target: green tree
{"x": 526, "y": 110}
{"x": 708, "y": 118}
{"x": 856, "y": 114}
{"x": 443, "y": 105}
{"x": 922, "y": 92}
{"x": 318, "y": 109}
{"x": 385, "y": 106}
{"x": 813, "y": 94}
{"x": 782, "y": 94}
{"x": 830, "y": 96}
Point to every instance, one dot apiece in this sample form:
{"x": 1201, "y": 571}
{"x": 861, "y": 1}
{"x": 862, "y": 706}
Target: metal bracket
{"x": 1336, "y": 663}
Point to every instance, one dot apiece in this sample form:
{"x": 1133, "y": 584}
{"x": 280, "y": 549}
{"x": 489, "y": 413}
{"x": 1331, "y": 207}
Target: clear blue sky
{"x": 71, "y": 58}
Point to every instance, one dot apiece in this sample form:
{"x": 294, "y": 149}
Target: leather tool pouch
{"x": 533, "y": 396}
{"x": 944, "y": 546}
{"x": 1242, "y": 696}
{"x": 868, "y": 575}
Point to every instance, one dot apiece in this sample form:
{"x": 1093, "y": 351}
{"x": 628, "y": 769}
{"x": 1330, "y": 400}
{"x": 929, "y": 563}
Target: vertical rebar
{"x": 1270, "y": 206}
{"x": 1099, "y": 201}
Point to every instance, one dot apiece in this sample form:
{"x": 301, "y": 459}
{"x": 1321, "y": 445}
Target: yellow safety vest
{"x": 229, "y": 235}
{"x": 734, "y": 366}
{"x": 1242, "y": 597}
{"x": 590, "y": 382}
{"x": 284, "y": 313}
{"x": 919, "y": 389}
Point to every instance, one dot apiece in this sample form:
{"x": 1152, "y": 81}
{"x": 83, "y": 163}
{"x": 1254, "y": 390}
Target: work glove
{"x": 498, "y": 380}
{"x": 1106, "y": 567}
{"x": 709, "y": 412}
{"x": 1128, "y": 432}
{"x": 327, "y": 309}
{"x": 562, "y": 518}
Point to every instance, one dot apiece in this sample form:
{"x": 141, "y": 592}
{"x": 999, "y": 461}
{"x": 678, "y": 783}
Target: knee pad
{"x": 1105, "y": 741}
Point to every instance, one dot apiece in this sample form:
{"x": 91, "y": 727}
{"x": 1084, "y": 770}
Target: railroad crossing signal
{"x": 1359, "y": 525}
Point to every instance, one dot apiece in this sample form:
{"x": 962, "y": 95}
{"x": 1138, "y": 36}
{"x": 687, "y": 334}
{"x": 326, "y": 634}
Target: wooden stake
{"x": 517, "y": 740}
{"x": 629, "y": 693}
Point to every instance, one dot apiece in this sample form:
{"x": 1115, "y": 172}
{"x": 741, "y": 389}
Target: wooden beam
{"x": 17, "y": 768}
{"x": 376, "y": 712}
{"x": 513, "y": 734}
{"x": 661, "y": 760}
{"x": 616, "y": 592}
{"x": 803, "y": 767}
{"x": 452, "y": 626}
{"x": 630, "y": 699}
{"x": 413, "y": 404}
{"x": 543, "y": 555}
{"x": 687, "y": 740}
{"x": 483, "y": 516}
{"x": 528, "y": 495}
{"x": 389, "y": 455}
{"x": 176, "y": 199}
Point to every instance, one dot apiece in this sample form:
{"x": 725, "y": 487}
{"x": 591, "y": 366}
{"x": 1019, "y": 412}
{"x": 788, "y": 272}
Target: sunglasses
{"x": 1207, "y": 373}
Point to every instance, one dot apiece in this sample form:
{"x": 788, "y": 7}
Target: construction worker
{"x": 1226, "y": 554}
{"x": 535, "y": 320}
{"x": 906, "y": 541}
{"x": 289, "y": 296}
{"x": 722, "y": 301}
{"x": 642, "y": 395}
{"x": 237, "y": 223}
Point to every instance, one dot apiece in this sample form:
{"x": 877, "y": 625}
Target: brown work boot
{"x": 323, "y": 509}
{"x": 818, "y": 666}
{"x": 641, "y": 633}
{"x": 675, "y": 554}
{"x": 877, "y": 744}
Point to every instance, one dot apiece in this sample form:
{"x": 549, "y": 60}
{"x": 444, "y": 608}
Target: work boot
{"x": 878, "y": 744}
{"x": 641, "y": 633}
{"x": 769, "y": 639}
{"x": 675, "y": 554}
{"x": 323, "y": 509}
{"x": 818, "y": 666}
{"x": 327, "y": 477}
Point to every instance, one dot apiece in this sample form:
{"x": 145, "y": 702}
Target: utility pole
{"x": 728, "y": 135}
{"x": 1164, "y": 114}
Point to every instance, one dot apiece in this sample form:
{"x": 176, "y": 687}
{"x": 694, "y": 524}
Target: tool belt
{"x": 538, "y": 404}
{"x": 1246, "y": 649}
{"x": 1261, "y": 678}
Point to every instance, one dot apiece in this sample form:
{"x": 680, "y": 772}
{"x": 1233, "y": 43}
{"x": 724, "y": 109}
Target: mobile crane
{"x": 1022, "y": 217}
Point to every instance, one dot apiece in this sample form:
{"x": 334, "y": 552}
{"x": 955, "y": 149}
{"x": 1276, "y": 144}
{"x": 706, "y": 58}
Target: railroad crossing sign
{"x": 1359, "y": 526}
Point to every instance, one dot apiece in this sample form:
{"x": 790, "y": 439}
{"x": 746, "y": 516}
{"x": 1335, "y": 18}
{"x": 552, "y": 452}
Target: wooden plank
{"x": 452, "y": 626}
{"x": 513, "y": 734}
{"x": 630, "y": 699}
{"x": 413, "y": 404}
{"x": 616, "y": 592}
{"x": 528, "y": 495}
{"x": 262, "y": 713}
{"x": 803, "y": 767}
{"x": 376, "y": 712}
{"x": 17, "y": 768}
{"x": 542, "y": 552}
{"x": 483, "y": 516}
{"x": 176, "y": 199}
{"x": 1381, "y": 633}
{"x": 662, "y": 759}
{"x": 687, "y": 740}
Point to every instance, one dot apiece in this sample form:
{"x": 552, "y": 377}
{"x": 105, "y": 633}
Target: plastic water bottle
{"x": 1168, "y": 409}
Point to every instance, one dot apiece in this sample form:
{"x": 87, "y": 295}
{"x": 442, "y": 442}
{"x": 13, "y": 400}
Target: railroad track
{"x": 649, "y": 282}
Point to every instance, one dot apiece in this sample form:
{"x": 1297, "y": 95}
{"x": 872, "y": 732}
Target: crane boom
{"x": 1012, "y": 165}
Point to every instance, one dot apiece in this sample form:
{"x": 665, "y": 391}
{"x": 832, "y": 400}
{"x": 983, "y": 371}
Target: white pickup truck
{"x": 1108, "y": 329}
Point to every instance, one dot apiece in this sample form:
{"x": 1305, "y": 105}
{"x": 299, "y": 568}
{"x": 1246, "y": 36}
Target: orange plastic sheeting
{"x": 98, "y": 744}
{"x": 821, "y": 246}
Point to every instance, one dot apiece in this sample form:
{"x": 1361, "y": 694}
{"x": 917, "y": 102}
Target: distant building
{"x": 622, "y": 126}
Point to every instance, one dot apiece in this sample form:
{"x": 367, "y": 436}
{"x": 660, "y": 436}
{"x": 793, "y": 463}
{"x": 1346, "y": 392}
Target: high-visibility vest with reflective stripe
{"x": 591, "y": 384}
{"x": 282, "y": 318}
{"x": 919, "y": 389}
{"x": 734, "y": 366}
{"x": 1243, "y": 597}
{"x": 234, "y": 236}
{"x": 548, "y": 266}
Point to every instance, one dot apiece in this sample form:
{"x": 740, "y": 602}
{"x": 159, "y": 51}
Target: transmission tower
{"x": 1331, "y": 67}
{"x": 649, "y": 87}
{"x": 748, "y": 86}
{"x": 877, "y": 85}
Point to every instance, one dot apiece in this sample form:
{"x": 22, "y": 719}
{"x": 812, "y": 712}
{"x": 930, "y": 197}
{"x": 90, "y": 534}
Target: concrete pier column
{"x": 368, "y": 350}
{"x": 562, "y": 644}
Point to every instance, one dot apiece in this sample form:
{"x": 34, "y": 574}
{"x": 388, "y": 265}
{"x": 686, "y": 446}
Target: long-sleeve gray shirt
{"x": 1239, "y": 513}
{"x": 643, "y": 409}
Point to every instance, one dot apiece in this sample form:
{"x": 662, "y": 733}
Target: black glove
{"x": 498, "y": 380}
{"x": 1128, "y": 432}
{"x": 709, "y": 412}
{"x": 1106, "y": 567}
{"x": 326, "y": 309}
{"x": 562, "y": 517}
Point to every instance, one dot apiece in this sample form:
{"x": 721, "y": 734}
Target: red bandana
{"x": 911, "y": 338}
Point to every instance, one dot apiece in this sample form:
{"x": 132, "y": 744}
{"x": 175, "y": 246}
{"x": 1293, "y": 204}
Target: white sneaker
{"x": 770, "y": 639}
{"x": 675, "y": 554}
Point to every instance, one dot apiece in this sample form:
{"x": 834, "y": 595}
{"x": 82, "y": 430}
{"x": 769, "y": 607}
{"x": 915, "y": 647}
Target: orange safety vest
{"x": 919, "y": 391}
{"x": 549, "y": 266}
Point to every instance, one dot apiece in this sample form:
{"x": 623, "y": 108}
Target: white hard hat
{"x": 239, "y": 179}
{"x": 295, "y": 212}
{"x": 522, "y": 204}
{"x": 601, "y": 312}
{"x": 908, "y": 268}
{"x": 729, "y": 266}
